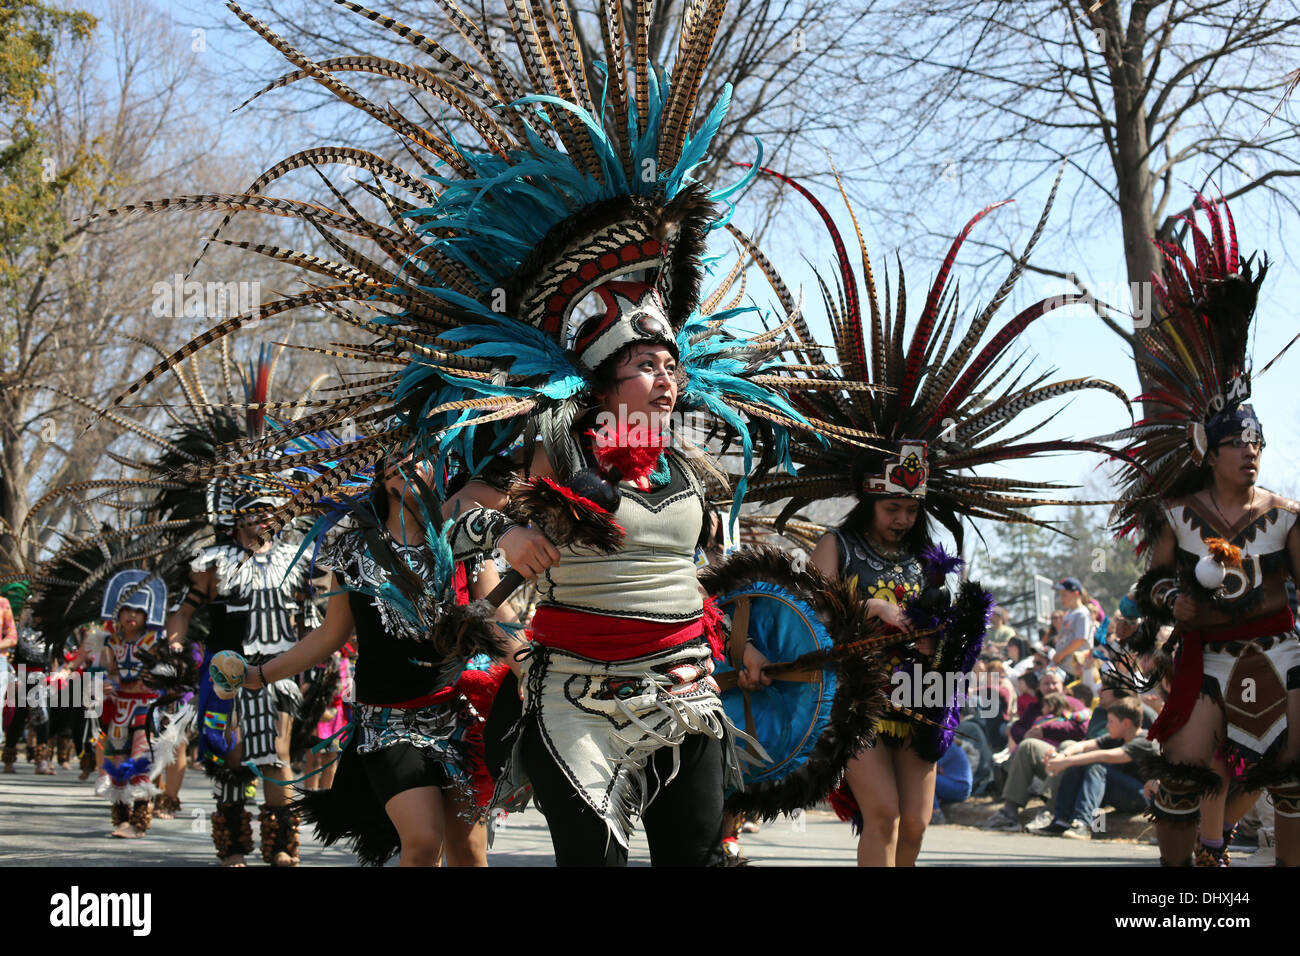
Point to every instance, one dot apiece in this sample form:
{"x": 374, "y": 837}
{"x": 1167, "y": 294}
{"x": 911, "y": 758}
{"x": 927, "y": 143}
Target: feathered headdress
{"x": 166, "y": 505}
{"x": 1193, "y": 362}
{"x": 939, "y": 407}
{"x": 576, "y": 179}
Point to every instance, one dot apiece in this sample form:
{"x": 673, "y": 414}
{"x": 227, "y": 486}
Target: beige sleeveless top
{"x": 653, "y": 577}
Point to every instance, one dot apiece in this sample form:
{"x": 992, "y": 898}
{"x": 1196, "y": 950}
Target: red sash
{"x": 1186, "y": 685}
{"x": 603, "y": 637}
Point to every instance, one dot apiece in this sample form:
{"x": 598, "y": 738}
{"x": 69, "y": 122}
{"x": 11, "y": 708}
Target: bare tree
{"x": 1146, "y": 100}
{"x": 124, "y": 114}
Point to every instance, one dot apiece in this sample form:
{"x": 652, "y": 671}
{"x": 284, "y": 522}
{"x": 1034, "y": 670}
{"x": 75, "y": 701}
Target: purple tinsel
{"x": 973, "y": 652}
{"x": 949, "y": 730}
{"x": 939, "y": 563}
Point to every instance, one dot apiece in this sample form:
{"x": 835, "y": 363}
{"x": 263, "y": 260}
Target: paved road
{"x": 58, "y": 821}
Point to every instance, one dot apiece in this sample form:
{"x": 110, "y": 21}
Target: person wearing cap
{"x": 1223, "y": 551}
{"x": 1077, "y": 627}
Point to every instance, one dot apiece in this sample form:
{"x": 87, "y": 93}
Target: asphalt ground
{"x": 58, "y": 821}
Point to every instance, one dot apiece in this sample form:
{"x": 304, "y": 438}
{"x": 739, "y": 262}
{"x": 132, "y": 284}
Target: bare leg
{"x": 1194, "y": 743}
{"x": 276, "y": 795}
{"x": 312, "y": 763}
{"x": 1238, "y": 806}
{"x": 466, "y": 843}
{"x": 418, "y": 816}
{"x": 870, "y": 777}
{"x": 1213, "y": 809}
{"x": 327, "y": 775}
{"x": 915, "y": 777}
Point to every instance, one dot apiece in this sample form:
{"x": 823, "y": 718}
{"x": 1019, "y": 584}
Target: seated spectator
{"x": 970, "y": 735}
{"x": 1026, "y": 691}
{"x": 1098, "y": 771}
{"x": 1052, "y": 681}
{"x": 996, "y": 702}
{"x": 982, "y": 732}
{"x": 1059, "y": 720}
{"x": 1026, "y": 663}
{"x": 1017, "y": 650}
{"x": 1000, "y": 630}
{"x": 1105, "y": 699}
{"x": 952, "y": 781}
{"x": 1047, "y": 723}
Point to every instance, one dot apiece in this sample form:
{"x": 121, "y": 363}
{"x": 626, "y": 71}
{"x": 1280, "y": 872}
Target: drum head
{"x": 787, "y": 717}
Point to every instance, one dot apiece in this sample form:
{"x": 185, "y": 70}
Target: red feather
{"x": 570, "y": 495}
{"x": 846, "y": 806}
{"x": 1234, "y": 263}
{"x": 633, "y": 453}
{"x": 714, "y": 633}
{"x": 990, "y": 354}
{"x": 921, "y": 334}
{"x": 1216, "y": 230}
{"x": 1205, "y": 259}
{"x": 853, "y": 308}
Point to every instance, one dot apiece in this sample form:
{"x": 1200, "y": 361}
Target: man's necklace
{"x": 1250, "y": 508}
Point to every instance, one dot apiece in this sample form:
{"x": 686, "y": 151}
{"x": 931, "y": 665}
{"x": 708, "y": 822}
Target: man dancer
{"x": 253, "y": 589}
{"x": 1222, "y": 549}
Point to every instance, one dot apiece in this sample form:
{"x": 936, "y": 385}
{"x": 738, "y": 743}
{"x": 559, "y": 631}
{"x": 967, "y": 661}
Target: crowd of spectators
{"x": 1041, "y": 722}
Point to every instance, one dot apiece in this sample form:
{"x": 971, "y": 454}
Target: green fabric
{"x": 16, "y": 594}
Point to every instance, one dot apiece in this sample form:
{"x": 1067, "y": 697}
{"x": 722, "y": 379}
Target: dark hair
{"x": 1020, "y": 644}
{"x": 711, "y": 537}
{"x": 863, "y": 515}
{"x": 378, "y": 496}
{"x": 1031, "y": 681}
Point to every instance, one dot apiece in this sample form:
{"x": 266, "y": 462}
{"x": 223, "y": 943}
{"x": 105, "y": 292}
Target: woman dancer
{"x": 406, "y": 776}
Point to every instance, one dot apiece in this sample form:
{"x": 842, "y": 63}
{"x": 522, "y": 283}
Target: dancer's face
{"x": 252, "y": 529}
{"x": 1236, "y": 463}
{"x": 645, "y": 385}
{"x": 399, "y": 476}
{"x": 894, "y": 518}
{"x": 130, "y": 620}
